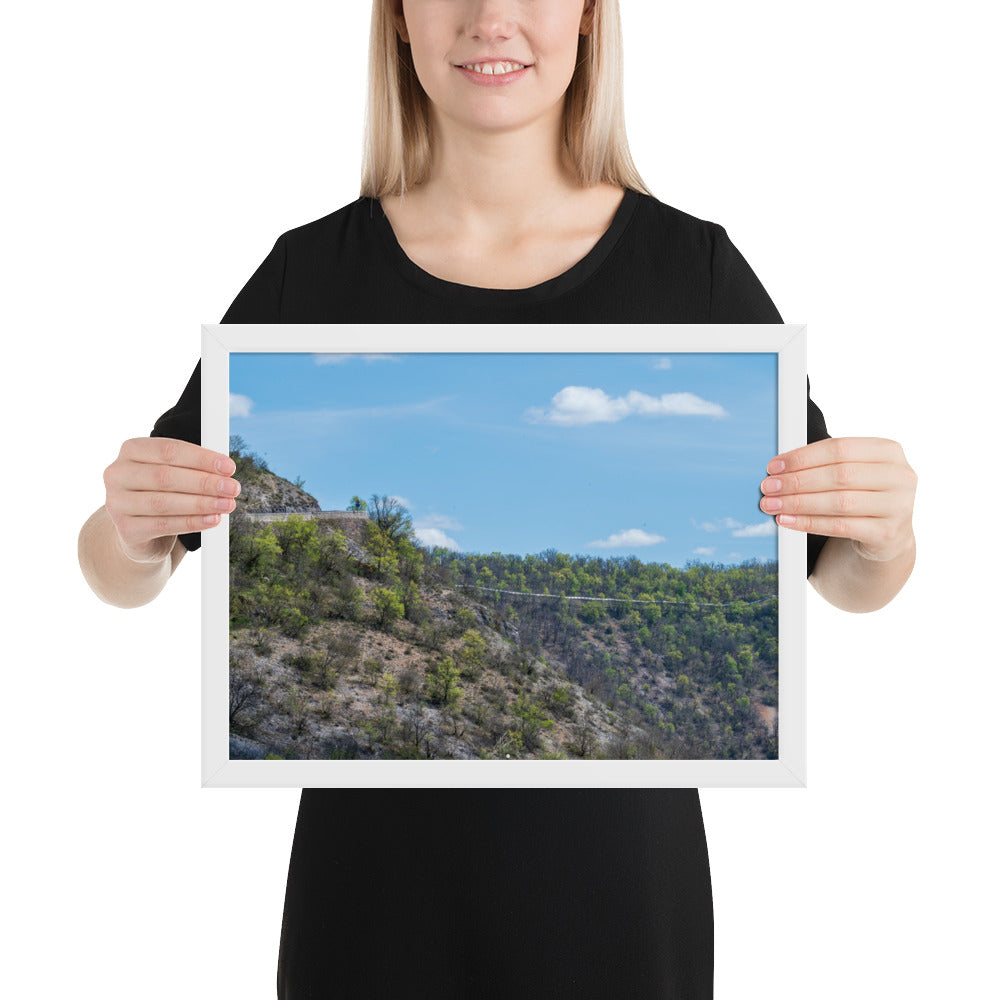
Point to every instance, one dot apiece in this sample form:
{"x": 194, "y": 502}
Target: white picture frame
{"x": 786, "y": 341}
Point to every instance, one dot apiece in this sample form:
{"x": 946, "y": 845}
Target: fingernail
{"x": 771, "y": 503}
{"x": 771, "y": 485}
{"x": 225, "y": 466}
{"x": 223, "y": 504}
{"x": 786, "y": 519}
{"x": 775, "y": 466}
{"x": 210, "y": 519}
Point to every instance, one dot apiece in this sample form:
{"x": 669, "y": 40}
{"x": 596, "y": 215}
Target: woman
{"x": 498, "y": 187}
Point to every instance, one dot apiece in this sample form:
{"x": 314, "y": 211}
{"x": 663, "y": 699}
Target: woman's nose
{"x": 491, "y": 19}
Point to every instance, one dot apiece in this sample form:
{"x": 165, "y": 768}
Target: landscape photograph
{"x": 502, "y": 557}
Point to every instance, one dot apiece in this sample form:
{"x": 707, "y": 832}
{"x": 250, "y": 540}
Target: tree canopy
{"x": 391, "y": 516}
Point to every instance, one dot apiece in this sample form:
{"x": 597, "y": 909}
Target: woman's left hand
{"x": 856, "y": 488}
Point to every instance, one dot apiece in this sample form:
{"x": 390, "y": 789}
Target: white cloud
{"x": 704, "y": 551}
{"x": 443, "y": 521}
{"x": 663, "y": 364}
{"x": 402, "y": 501}
{"x": 339, "y": 359}
{"x": 630, "y": 538}
{"x": 576, "y": 405}
{"x": 435, "y": 537}
{"x": 761, "y": 530}
{"x": 239, "y": 406}
{"x": 738, "y": 528}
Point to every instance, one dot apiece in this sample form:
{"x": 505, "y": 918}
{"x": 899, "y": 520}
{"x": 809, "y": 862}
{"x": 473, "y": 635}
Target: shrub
{"x": 465, "y": 619}
{"x": 261, "y": 642}
{"x": 246, "y": 686}
{"x": 387, "y": 687}
{"x": 372, "y": 670}
{"x": 413, "y": 607}
{"x": 409, "y": 681}
{"x": 341, "y": 654}
{"x": 559, "y": 700}
{"x": 308, "y": 661}
{"x": 346, "y": 602}
{"x": 511, "y": 744}
{"x": 293, "y": 622}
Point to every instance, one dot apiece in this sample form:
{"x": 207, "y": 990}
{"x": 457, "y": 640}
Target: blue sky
{"x": 657, "y": 456}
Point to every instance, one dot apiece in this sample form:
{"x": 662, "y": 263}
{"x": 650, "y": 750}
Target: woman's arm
{"x": 859, "y": 492}
{"x": 114, "y": 576}
{"x": 852, "y": 582}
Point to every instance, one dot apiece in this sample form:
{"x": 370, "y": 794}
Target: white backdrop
{"x": 155, "y": 153}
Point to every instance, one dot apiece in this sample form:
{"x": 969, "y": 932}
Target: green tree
{"x": 388, "y": 607}
{"x": 387, "y": 687}
{"x": 410, "y": 559}
{"x": 442, "y": 682}
{"x": 473, "y": 649}
{"x": 299, "y": 542}
{"x": 380, "y": 547}
{"x": 591, "y": 612}
{"x": 346, "y": 599}
{"x": 531, "y": 720}
{"x": 391, "y": 516}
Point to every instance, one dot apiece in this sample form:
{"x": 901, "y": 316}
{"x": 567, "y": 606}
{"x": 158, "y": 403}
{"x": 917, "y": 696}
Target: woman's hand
{"x": 859, "y": 492}
{"x": 159, "y": 488}
{"x": 856, "y": 488}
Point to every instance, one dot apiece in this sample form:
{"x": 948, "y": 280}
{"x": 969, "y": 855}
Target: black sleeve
{"x": 736, "y": 296}
{"x": 183, "y": 421}
{"x": 258, "y": 302}
{"x": 815, "y": 431}
{"x": 739, "y": 297}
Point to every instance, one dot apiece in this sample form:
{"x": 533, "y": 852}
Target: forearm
{"x": 852, "y": 583}
{"x": 112, "y": 575}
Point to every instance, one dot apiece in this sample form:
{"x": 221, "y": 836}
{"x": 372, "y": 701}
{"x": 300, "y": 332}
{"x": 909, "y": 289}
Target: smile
{"x": 493, "y": 69}
{"x": 493, "y": 74}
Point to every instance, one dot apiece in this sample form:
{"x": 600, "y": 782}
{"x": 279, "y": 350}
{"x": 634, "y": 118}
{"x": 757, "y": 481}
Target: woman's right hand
{"x": 159, "y": 488}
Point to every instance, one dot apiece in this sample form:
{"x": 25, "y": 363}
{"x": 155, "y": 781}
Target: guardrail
{"x": 265, "y": 517}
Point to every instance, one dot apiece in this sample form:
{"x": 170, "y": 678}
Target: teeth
{"x": 495, "y": 69}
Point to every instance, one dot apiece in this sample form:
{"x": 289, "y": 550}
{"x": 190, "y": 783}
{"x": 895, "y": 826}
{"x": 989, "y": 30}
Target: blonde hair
{"x": 397, "y": 143}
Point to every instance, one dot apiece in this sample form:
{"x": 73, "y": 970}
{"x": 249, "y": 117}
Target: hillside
{"x": 261, "y": 490}
{"x": 385, "y": 650}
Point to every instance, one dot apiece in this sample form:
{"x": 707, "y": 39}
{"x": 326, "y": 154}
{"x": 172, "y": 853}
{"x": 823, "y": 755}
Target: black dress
{"x": 589, "y": 894}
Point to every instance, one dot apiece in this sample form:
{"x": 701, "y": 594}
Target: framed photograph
{"x": 491, "y": 555}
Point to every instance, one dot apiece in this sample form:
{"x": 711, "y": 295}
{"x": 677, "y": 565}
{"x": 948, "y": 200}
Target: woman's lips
{"x": 496, "y": 80}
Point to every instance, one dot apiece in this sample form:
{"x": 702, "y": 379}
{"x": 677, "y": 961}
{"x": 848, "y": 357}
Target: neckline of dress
{"x": 550, "y": 288}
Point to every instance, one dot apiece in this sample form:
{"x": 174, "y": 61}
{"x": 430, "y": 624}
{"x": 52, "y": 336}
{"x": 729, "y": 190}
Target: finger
{"x": 833, "y": 451}
{"x": 841, "y": 503}
{"x": 143, "y": 477}
{"x": 864, "y": 529}
{"x": 163, "y": 504}
{"x": 138, "y": 531}
{"x": 174, "y": 452}
{"x": 875, "y": 476}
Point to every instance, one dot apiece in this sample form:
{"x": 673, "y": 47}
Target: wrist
{"x": 906, "y": 550}
{"x": 154, "y": 552}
